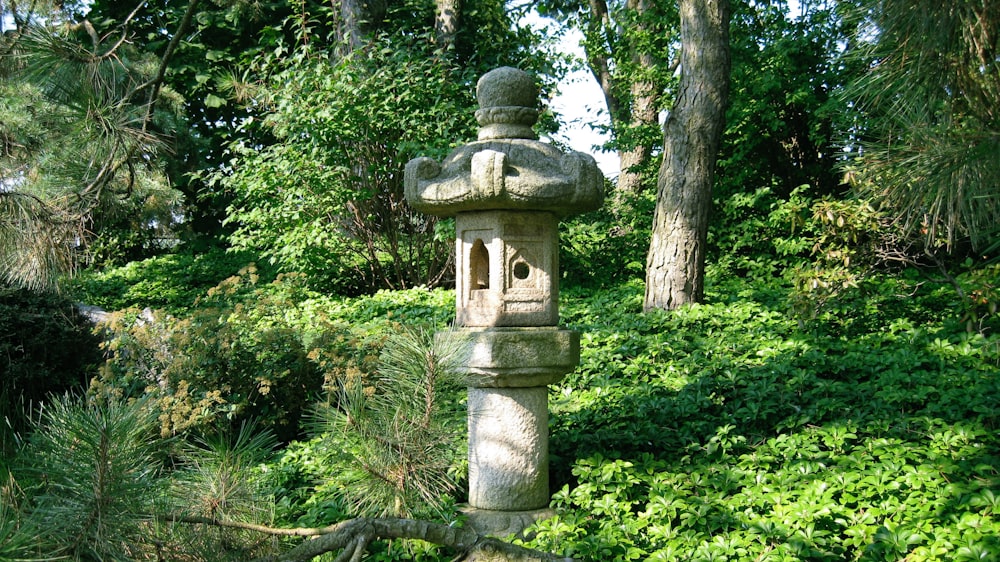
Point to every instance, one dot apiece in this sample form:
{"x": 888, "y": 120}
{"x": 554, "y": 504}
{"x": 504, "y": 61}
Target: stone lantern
{"x": 507, "y": 192}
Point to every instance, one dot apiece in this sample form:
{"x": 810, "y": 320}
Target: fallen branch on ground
{"x": 352, "y": 537}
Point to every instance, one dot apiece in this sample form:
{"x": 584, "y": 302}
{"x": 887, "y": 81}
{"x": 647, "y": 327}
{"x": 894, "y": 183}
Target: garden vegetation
{"x": 244, "y": 368}
{"x": 743, "y": 428}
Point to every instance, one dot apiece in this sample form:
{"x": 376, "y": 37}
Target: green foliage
{"x": 784, "y": 113}
{"x": 217, "y": 477}
{"x": 79, "y": 156}
{"x": 727, "y": 430}
{"x": 835, "y": 255}
{"x": 96, "y": 483}
{"x": 758, "y": 234}
{"x": 226, "y": 360}
{"x": 314, "y": 175}
{"x": 395, "y": 439}
{"x": 607, "y": 247}
{"x": 981, "y": 289}
{"x": 251, "y": 350}
{"x": 94, "y": 470}
{"x": 724, "y": 432}
{"x": 18, "y": 533}
{"x": 345, "y": 130}
{"x": 634, "y": 47}
{"x": 927, "y": 130}
{"x": 846, "y": 237}
{"x": 171, "y": 282}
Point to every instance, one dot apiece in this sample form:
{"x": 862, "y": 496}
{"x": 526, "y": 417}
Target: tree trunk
{"x": 644, "y": 112}
{"x": 675, "y": 265}
{"x": 599, "y": 25}
{"x": 351, "y": 18}
{"x": 641, "y": 108}
{"x": 645, "y": 98}
{"x": 446, "y": 22}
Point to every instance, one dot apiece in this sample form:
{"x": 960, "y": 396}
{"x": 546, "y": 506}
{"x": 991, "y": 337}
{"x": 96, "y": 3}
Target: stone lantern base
{"x": 508, "y": 371}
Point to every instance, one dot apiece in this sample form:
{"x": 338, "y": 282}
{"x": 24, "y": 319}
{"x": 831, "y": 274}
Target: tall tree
{"x": 630, "y": 49}
{"x": 79, "y": 144}
{"x": 344, "y": 126}
{"x": 787, "y": 71}
{"x": 675, "y": 266}
{"x": 446, "y": 21}
{"x": 222, "y": 36}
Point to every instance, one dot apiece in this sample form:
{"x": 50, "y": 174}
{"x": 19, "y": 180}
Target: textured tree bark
{"x": 644, "y": 112}
{"x": 675, "y": 265}
{"x": 645, "y": 99}
{"x": 446, "y": 22}
{"x": 351, "y": 18}
{"x": 355, "y": 21}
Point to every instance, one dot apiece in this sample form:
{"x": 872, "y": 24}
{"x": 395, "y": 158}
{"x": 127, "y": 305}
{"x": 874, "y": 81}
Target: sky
{"x": 580, "y": 103}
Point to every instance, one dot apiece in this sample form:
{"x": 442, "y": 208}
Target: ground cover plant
{"x": 731, "y": 430}
{"x": 727, "y": 431}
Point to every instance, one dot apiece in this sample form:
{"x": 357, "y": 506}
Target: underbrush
{"x": 170, "y": 283}
{"x": 250, "y": 350}
{"x": 732, "y": 430}
{"x": 728, "y": 431}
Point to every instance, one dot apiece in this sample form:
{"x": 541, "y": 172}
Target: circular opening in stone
{"x": 521, "y": 270}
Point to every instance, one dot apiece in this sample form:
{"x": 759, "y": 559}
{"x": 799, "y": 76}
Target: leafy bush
{"x": 171, "y": 282}
{"x": 607, "y": 247}
{"x": 834, "y": 255}
{"x": 226, "y": 360}
{"x": 980, "y": 288}
{"x": 726, "y": 432}
{"x": 251, "y": 351}
{"x": 758, "y": 234}
{"x": 344, "y": 132}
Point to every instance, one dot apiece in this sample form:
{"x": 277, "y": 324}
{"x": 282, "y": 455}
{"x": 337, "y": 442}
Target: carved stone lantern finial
{"x": 507, "y": 192}
{"x": 507, "y": 104}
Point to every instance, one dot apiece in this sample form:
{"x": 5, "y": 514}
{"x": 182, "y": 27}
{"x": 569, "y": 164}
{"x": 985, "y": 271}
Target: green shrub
{"x": 170, "y": 282}
{"x": 757, "y": 235}
{"x": 229, "y": 359}
{"x": 724, "y": 431}
{"x": 607, "y": 247}
{"x": 252, "y": 351}
{"x": 981, "y": 291}
{"x": 392, "y": 443}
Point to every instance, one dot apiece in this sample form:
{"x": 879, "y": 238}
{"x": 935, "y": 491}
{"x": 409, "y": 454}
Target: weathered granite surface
{"x": 508, "y": 191}
{"x": 507, "y": 168}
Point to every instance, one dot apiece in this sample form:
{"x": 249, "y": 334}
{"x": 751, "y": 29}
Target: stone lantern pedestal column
{"x": 507, "y": 192}
{"x": 509, "y": 371}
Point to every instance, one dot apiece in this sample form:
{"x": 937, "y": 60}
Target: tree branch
{"x": 351, "y": 538}
{"x": 157, "y": 81}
